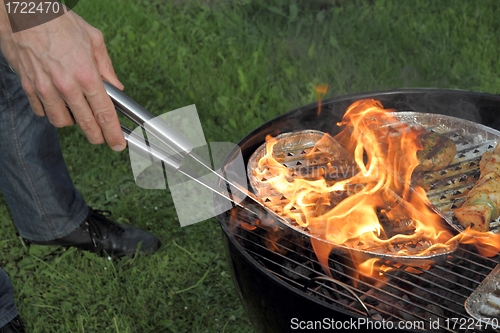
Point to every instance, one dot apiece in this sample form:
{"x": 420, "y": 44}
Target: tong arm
{"x": 142, "y": 146}
{"x": 139, "y": 115}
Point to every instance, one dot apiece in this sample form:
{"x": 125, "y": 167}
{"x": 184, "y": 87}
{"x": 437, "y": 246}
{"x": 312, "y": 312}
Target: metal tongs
{"x": 180, "y": 149}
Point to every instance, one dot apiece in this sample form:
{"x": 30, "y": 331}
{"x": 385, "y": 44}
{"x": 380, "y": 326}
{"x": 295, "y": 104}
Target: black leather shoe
{"x": 13, "y": 326}
{"x": 104, "y": 236}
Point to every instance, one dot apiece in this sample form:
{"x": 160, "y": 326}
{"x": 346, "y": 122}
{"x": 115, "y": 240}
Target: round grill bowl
{"x": 273, "y": 304}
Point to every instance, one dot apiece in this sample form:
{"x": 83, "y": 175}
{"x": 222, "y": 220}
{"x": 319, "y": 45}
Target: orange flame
{"x": 321, "y": 90}
{"x": 381, "y": 210}
{"x": 487, "y": 243}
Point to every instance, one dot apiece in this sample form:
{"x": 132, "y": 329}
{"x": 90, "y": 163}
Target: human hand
{"x": 61, "y": 65}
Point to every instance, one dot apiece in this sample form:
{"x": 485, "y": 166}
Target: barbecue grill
{"x": 280, "y": 280}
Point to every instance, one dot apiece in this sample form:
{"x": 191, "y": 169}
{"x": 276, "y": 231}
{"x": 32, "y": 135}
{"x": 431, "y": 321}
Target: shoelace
{"x": 100, "y": 225}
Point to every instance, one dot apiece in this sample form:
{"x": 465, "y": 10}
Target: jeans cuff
{"x": 6, "y": 318}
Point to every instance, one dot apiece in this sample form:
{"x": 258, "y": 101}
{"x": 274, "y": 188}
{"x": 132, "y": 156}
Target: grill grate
{"x": 407, "y": 295}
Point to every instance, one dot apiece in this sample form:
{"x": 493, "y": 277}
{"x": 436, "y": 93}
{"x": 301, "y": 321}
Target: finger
{"x": 60, "y": 116}
{"x": 34, "y": 101}
{"x": 36, "y": 106}
{"x": 84, "y": 117}
{"x": 106, "y": 117}
{"x": 53, "y": 105}
{"x": 77, "y": 106}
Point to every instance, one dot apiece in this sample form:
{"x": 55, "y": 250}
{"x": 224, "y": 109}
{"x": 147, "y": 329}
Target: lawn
{"x": 242, "y": 62}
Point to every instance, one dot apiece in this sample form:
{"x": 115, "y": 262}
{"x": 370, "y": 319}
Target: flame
{"x": 379, "y": 209}
{"x": 320, "y": 90}
{"x": 487, "y": 243}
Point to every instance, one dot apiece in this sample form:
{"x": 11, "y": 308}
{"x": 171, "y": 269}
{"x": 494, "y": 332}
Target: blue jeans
{"x": 33, "y": 176}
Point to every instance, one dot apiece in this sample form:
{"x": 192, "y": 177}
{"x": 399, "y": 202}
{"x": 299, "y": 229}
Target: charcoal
{"x": 435, "y": 313}
{"x": 405, "y": 309}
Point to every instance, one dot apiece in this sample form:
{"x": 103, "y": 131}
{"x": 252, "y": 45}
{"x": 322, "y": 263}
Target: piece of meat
{"x": 477, "y": 217}
{"x": 485, "y": 159}
{"x": 482, "y": 204}
{"x": 490, "y": 162}
{"x": 437, "y": 153}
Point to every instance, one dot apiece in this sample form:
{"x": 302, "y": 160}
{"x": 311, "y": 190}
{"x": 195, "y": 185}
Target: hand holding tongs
{"x": 180, "y": 148}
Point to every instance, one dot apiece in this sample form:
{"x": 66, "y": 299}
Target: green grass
{"x": 242, "y": 63}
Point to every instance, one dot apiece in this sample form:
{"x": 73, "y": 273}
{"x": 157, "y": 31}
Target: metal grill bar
{"x": 299, "y": 286}
{"x": 389, "y": 283}
{"x": 458, "y": 275}
{"x": 351, "y": 307}
{"x": 404, "y": 281}
{"x": 380, "y": 300}
{"x": 438, "y": 277}
{"x": 317, "y": 272}
{"x": 490, "y": 260}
